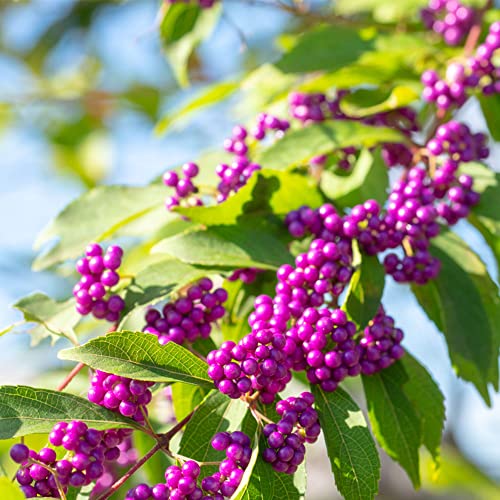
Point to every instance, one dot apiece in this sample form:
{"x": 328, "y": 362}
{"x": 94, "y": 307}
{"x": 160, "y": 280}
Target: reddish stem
{"x": 70, "y": 376}
{"x": 115, "y": 486}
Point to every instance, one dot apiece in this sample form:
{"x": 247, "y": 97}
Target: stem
{"x": 475, "y": 31}
{"x": 54, "y": 473}
{"x": 115, "y": 486}
{"x": 70, "y": 376}
{"x": 177, "y": 427}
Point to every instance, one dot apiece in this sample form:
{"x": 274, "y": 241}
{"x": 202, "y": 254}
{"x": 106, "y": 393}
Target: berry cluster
{"x": 184, "y": 187}
{"x": 99, "y": 274}
{"x": 126, "y": 396}
{"x": 324, "y": 270}
{"x": 181, "y": 483}
{"x": 448, "y": 18}
{"x": 237, "y": 446}
{"x": 257, "y": 363}
{"x": 190, "y": 317}
{"x": 329, "y": 352}
{"x": 298, "y": 424}
{"x": 41, "y": 474}
{"x": 455, "y": 141}
{"x": 380, "y": 344}
{"x": 478, "y": 72}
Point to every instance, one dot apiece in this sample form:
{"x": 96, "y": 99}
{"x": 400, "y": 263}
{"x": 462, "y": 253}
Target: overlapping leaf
{"x": 139, "y": 356}
{"x": 28, "y": 410}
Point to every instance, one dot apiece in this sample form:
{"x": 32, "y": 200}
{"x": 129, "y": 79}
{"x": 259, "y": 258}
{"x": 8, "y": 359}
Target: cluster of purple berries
{"x": 123, "y": 395}
{"x": 184, "y": 187}
{"x": 380, "y": 344}
{"x": 181, "y": 483}
{"x": 234, "y": 176}
{"x": 190, "y": 317}
{"x": 325, "y": 269}
{"x": 328, "y": 350}
{"x": 258, "y": 363}
{"x": 478, "y": 72}
{"x": 99, "y": 274}
{"x": 298, "y": 424}
{"x": 448, "y": 18}
{"x": 88, "y": 450}
{"x": 455, "y": 141}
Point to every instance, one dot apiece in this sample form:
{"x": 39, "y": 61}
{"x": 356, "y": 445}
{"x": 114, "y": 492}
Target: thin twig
{"x": 115, "y": 486}
{"x": 70, "y": 376}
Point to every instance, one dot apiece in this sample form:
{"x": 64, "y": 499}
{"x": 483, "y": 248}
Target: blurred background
{"x": 82, "y": 86}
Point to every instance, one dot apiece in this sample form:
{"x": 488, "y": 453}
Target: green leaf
{"x": 139, "y": 356}
{"x": 353, "y": 455}
{"x": 95, "y": 216}
{"x": 10, "y": 490}
{"x": 267, "y": 192}
{"x": 217, "y": 413}
{"x": 324, "y": 48}
{"x": 464, "y": 299}
{"x": 179, "y": 52}
{"x": 490, "y": 106}
{"x": 298, "y": 146}
{"x": 395, "y": 422}
{"x": 266, "y": 483}
{"x": 365, "y": 291}
{"x": 208, "y": 97}
{"x": 28, "y": 410}
{"x": 54, "y": 319}
{"x": 227, "y": 246}
{"x": 366, "y": 102}
{"x": 368, "y": 179}
{"x": 485, "y": 216}
{"x": 178, "y": 19}
{"x": 428, "y": 401}
{"x": 185, "y": 398}
{"x": 159, "y": 280}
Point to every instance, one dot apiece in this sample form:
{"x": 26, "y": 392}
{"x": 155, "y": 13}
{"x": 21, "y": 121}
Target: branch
{"x": 115, "y": 486}
{"x": 70, "y": 376}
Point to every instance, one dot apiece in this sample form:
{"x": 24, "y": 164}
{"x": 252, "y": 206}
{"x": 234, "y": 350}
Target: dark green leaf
{"x": 395, "y": 422}
{"x": 217, "y": 413}
{"x": 485, "y": 216}
{"x": 95, "y": 216}
{"x": 28, "y": 410}
{"x": 464, "y": 299}
{"x": 490, "y": 106}
{"x": 368, "y": 179}
{"x": 54, "y": 319}
{"x": 365, "y": 291}
{"x": 179, "y": 52}
{"x": 139, "y": 356}
{"x": 227, "y": 246}
{"x": 298, "y": 146}
{"x": 159, "y": 280}
{"x": 353, "y": 455}
{"x": 428, "y": 401}
{"x": 178, "y": 19}
{"x": 324, "y": 48}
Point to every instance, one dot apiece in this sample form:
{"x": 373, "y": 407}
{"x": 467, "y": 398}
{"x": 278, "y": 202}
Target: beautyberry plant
{"x": 236, "y": 302}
